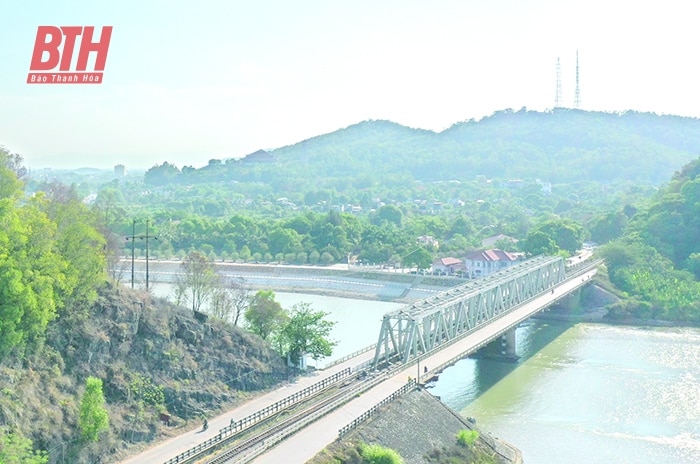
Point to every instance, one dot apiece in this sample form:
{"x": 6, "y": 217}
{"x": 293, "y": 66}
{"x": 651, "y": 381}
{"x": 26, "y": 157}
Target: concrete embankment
{"x": 353, "y": 283}
{"x": 417, "y": 426}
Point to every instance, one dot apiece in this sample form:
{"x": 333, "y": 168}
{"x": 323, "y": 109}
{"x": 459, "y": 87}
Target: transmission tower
{"x": 577, "y": 95}
{"x": 557, "y": 98}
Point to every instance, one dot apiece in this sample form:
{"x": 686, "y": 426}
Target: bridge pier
{"x": 508, "y": 348}
{"x": 571, "y": 301}
{"x": 503, "y": 348}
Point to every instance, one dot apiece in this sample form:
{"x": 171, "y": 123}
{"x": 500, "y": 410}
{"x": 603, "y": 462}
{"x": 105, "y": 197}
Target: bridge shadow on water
{"x": 472, "y": 376}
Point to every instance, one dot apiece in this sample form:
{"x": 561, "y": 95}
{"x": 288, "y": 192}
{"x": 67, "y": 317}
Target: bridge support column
{"x": 571, "y": 301}
{"x": 503, "y": 348}
{"x": 508, "y": 350}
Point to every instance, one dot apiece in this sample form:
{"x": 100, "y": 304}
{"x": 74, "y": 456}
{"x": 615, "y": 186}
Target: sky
{"x": 186, "y": 81}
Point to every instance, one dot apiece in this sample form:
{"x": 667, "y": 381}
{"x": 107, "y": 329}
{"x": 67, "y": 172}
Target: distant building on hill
{"x": 119, "y": 170}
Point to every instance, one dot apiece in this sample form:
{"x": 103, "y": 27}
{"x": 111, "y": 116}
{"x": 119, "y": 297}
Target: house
{"x": 448, "y": 266}
{"x": 480, "y": 263}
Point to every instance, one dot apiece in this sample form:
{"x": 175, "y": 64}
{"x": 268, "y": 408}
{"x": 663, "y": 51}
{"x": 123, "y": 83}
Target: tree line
{"x": 51, "y": 263}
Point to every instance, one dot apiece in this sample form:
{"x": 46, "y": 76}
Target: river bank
{"x": 420, "y": 428}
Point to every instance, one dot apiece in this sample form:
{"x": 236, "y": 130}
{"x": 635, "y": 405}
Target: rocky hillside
{"x": 153, "y": 359}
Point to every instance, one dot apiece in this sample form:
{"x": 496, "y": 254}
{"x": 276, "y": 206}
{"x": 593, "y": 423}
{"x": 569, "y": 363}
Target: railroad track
{"x": 253, "y": 446}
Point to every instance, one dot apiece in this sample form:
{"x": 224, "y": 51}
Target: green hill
{"x": 559, "y": 146}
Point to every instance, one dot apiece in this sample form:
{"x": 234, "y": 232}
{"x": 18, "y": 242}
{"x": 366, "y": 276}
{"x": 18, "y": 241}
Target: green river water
{"x": 583, "y": 393}
{"x": 587, "y": 393}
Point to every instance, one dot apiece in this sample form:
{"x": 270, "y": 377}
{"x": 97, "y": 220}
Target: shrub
{"x": 467, "y": 438}
{"x": 377, "y": 454}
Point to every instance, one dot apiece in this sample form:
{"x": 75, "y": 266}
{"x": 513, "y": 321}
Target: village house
{"x": 481, "y": 263}
{"x": 448, "y": 266}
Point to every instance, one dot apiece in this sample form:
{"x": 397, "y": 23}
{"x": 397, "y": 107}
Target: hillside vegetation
{"x": 656, "y": 261}
{"x": 88, "y": 367}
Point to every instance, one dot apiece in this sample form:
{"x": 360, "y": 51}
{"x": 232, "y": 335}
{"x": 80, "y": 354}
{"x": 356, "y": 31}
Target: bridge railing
{"x": 410, "y": 385}
{"x": 248, "y": 421}
{"x": 582, "y": 267}
{"x": 350, "y": 356}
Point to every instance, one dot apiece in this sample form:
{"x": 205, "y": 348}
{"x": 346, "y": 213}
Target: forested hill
{"x": 559, "y": 146}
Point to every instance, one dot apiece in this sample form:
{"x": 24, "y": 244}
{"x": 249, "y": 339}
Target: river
{"x": 583, "y": 393}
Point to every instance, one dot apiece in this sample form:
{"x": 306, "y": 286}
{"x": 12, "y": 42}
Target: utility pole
{"x": 133, "y": 238}
{"x": 147, "y": 237}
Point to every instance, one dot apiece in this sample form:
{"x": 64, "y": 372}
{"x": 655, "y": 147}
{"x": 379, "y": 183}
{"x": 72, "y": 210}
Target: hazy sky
{"x": 186, "y": 82}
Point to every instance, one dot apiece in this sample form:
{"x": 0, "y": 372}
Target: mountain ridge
{"x": 561, "y": 145}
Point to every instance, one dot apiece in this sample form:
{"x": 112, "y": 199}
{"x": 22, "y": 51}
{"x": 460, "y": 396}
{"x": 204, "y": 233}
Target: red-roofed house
{"x": 484, "y": 262}
{"x": 448, "y": 266}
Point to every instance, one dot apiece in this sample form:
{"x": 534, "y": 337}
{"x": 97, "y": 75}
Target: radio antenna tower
{"x": 557, "y": 98}
{"x": 577, "y": 95}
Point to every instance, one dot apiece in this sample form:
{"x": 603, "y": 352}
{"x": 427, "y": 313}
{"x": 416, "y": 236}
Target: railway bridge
{"x": 436, "y": 331}
{"x": 427, "y": 325}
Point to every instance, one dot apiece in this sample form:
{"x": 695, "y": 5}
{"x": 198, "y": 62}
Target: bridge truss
{"x": 421, "y": 326}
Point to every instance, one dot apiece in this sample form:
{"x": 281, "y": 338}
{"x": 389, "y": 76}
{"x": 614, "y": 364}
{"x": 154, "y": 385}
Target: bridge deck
{"x": 305, "y": 444}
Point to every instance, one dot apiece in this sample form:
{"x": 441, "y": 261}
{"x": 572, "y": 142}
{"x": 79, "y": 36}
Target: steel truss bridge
{"x": 425, "y": 325}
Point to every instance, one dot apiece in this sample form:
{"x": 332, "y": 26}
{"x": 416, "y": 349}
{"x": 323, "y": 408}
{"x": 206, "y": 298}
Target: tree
{"x": 15, "y": 448}
{"x": 32, "y": 275}
{"x": 284, "y": 240}
{"x": 608, "y": 227}
{"x": 229, "y": 299}
{"x": 538, "y": 243}
{"x": 567, "y": 234}
{"x": 306, "y": 332}
{"x": 197, "y": 280}
{"x": 390, "y": 213}
{"x": 78, "y": 240}
{"x": 161, "y": 175}
{"x": 11, "y": 173}
{"x": 264, "y": 315}
{"x": 420, "y": 257}
{"x": 93, "y": 418}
